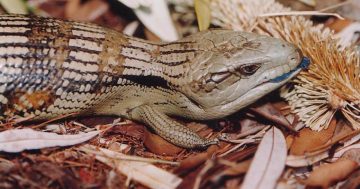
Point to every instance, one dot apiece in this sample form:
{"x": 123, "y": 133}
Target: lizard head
{"x": 234, "y": 69}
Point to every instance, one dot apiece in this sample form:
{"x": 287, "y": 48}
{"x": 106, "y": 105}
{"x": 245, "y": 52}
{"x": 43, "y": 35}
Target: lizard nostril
{"x": 295, "y": 58}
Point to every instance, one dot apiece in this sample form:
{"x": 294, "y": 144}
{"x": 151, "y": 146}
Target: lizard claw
{"x": 224, "y": 136}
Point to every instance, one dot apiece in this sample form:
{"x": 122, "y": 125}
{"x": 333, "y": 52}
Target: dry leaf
{"x": 203, "y": 13}
{"x": 156, "y": 17}
{"x": 237, "y": 169}
{"x": 140, "y": 171}
{"x": 269, "y": 161}
{"x": 337, "y": 24}
{"x": 269, "y": 112}
{"x": 133, "y": 130}
{"x": 17, "y": 140}
{"x": 14, "y": 6}
{"x": 328, "y": 174}
{"x": 249, "y": 127}
{"x": 151, "y": 36}
{"x": 88, "y": 11}
{"x": 352, "y": 182}
{"x": 323, "y": 152}
{"x": 197, "y": 159}
{"x": 309, "y": 139}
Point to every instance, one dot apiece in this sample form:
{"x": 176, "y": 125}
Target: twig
{"x": 54, "y": 119}
{"x": 208, "y": 165}
{"x": 335, "y": 6}
{"x": 301, "y": 13}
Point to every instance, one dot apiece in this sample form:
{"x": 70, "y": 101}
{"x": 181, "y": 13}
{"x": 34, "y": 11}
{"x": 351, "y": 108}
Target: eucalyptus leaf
{"x": 18, "y": 140}
{"x": 14, "y": 6}
{"x": 268, "y": 163}
{"x": 203, "y": 13}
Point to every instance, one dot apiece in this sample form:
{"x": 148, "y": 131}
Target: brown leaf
{"x": 353, "y": 181}
{"x": 338, "y": 24}
{"x": 338, "y": 144}
{"x": 309, "y": 139}
{"x": 151, "y": 36}
{"x": 249, "y": 127}
{"x": 134, "y": 130}
{"x": 328, "y": 174}
{"x": 238, "y": 169}
{"x": 201, "y": 128}
{"x": 96, "y": 120}
{"x": 88, "y": 11}
{"x": 197, "y": 159}
{"x": 71, "y": 7}
{"x": 289, "y": 141}
{"x": 269, "y": 112}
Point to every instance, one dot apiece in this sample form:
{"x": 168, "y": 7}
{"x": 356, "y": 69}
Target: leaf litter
{"x": 126, "y": 154}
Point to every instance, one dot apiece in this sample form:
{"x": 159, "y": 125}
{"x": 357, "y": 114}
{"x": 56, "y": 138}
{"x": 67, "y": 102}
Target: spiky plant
{"x": 332, "y": 82}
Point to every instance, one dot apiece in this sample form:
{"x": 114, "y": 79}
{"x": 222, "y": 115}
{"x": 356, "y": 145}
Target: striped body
{"x": 50, "y": 67}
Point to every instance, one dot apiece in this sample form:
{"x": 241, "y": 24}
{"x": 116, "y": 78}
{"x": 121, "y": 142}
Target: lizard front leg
{"x": 169, "y": 129}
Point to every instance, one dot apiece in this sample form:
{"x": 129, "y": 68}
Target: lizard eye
{"x": 248, "y": 69}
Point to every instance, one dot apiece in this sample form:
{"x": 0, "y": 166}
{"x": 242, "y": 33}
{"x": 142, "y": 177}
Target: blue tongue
{"x": 305, "y": 62}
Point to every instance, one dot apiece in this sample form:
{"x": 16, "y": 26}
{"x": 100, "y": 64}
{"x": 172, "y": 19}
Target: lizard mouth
{"x": 305, "y": 62}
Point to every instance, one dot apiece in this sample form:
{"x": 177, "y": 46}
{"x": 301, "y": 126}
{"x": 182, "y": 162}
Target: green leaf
{"x": 14, "y": 6}
{"x": 203, "y": 13}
